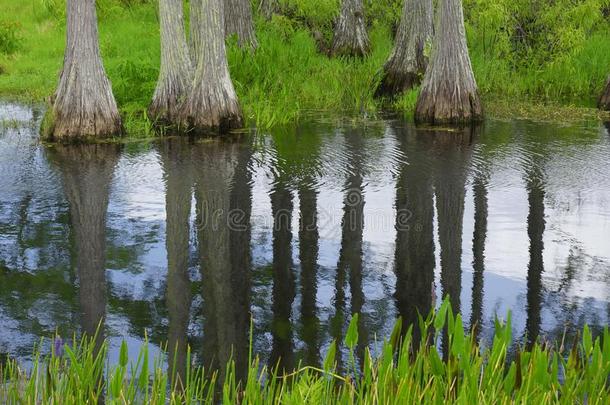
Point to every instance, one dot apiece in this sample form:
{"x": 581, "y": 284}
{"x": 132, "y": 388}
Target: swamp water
{"x": 187, "y": 241}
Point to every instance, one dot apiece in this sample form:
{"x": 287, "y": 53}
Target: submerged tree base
{"x": 210, "y": 121}
{"x": 73, "y": 128}
{"x": 448, "y": 106}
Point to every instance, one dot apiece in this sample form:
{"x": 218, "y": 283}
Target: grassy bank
{"x": 562, "y": 60}
{"x": 405, "y": 371}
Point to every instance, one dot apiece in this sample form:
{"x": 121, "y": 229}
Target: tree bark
{"x": 350, "y": 37}
{"x": 84, "y": 105}
{"x": 175, "y": 75}
{"x": 604, "y": 99}
{"x": 449, "y": 91}
{"x": 267, "y": 8}
{"x": 407, "y": 63}
{"x": 212, "y": 106}
{"x": 238, "y": 20}
{"x": 195, "y": 30}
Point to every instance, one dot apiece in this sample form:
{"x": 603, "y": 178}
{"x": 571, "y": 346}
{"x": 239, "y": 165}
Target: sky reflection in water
{"x": 187, "y": 240}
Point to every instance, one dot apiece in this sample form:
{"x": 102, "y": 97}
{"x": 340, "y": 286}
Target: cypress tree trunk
{"x": 84, "y": 105}
{"x": 449, "y": 92}
{"x": 212, "y": 105}
{"x": 350, "y": 37}
{"x": 604, "y": 99}
{"x": 238, "y": 20}
{"x": 175, "y": 76}
{"x": 194, "y": 30}
{"x": 267, "y": 8}
{"x": 407, "y": 63}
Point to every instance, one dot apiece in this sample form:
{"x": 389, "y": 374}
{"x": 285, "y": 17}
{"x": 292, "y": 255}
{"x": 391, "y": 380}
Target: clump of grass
{"x": 288, "y": 76}
{"x": 445, "y": 365}
{"x": 11, "y": 124}
{"x": 544, "y": 112}
{"x": 10, "y": 37}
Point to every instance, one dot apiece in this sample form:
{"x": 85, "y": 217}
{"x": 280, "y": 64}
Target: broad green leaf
{"x": 329, "y": 360}
{"x": 351, "y": 337}
{"x": 123, "y": 355}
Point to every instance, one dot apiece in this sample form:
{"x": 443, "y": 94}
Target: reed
{"x": 405, "y": 370}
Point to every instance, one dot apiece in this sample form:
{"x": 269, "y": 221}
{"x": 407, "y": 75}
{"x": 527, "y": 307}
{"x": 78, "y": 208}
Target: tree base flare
{"x": 350, "y": 37}
{"x": 394, "y": 83}
{"x": 71, "y": 126}
{"x": 211, "y": 117}
{"x": 604, "y": 100}
{"x": 164, "y": 113}
{"x": 83, "y": 106}
{"x": 345, "y": 50}
{"x": 447, "y": 106}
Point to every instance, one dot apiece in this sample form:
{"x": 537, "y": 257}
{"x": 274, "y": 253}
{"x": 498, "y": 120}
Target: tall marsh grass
{"x": 406, "y": 370}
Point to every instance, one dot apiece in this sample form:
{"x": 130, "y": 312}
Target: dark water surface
{"x": 298, "y": 229}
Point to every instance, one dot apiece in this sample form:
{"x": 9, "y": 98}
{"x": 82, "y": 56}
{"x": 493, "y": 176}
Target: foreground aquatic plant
{"x": 406, "y": 370}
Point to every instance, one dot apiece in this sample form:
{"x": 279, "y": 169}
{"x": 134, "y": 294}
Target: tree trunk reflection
{"x": 414, "y": 257}
{"x": 87, "y": 172}
{"x": 223, "y": 215}
{"x": 175, "y": 157}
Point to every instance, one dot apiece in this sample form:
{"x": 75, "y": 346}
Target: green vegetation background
{"x": 551, "y": 53}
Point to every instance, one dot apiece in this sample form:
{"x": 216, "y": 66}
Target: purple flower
{"x": 59, "y": 346}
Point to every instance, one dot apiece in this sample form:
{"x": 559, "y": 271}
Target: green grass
{"x": 404, "y": 371}
{"x": 287, "y": 77}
